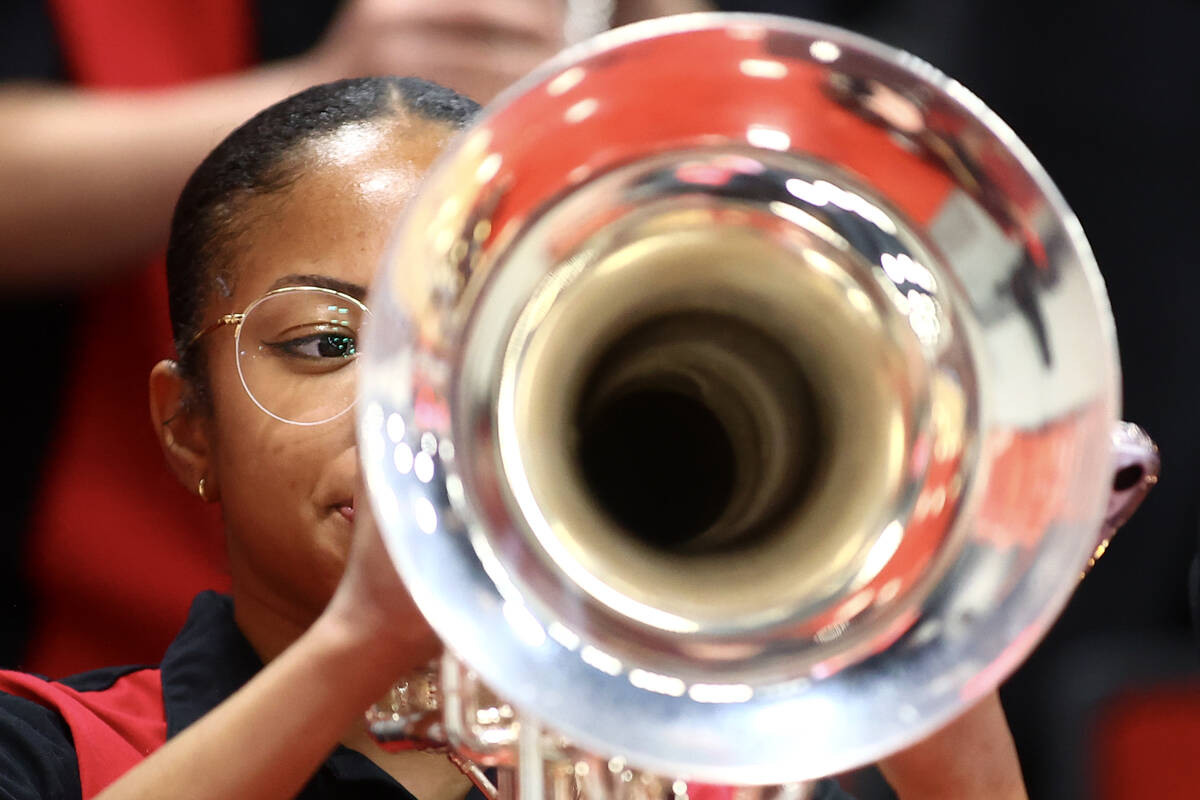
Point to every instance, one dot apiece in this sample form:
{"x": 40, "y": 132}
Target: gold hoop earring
{"x": 202, "y": 490}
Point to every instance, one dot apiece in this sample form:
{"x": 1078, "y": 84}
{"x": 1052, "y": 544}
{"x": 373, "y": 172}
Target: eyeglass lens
{"x": 296, "y": 354}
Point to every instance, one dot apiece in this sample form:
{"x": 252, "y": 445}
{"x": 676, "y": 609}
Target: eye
{"x": 317, "y": 346}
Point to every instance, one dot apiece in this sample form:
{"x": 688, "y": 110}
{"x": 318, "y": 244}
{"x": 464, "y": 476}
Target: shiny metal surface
{"x": 1135, "y": 467}
{"x": 868, "y": 284}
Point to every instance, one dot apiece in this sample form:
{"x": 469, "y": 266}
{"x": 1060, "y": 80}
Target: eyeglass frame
{"x": 238, "y": 319}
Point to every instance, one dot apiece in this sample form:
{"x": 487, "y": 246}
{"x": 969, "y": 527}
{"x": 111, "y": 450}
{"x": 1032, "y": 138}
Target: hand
{"x": 372, "y": 604}
{"x": 475, "y": 48}
{"x": 266, "y": 740}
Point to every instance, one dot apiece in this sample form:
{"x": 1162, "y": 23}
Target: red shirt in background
{"x": 117, "y": 548}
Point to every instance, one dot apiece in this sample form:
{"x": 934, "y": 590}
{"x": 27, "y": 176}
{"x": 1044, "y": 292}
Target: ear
{"x": 183, "y": 431}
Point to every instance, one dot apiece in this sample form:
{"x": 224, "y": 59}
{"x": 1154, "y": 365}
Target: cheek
{"x": 264, "y": 472}
{"x": 274, "y": 477}
{"x": 266, "y": 468}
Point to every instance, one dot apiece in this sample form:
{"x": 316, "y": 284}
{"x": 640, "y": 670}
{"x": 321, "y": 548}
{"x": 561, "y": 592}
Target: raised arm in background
{"x": 88, "y": 178}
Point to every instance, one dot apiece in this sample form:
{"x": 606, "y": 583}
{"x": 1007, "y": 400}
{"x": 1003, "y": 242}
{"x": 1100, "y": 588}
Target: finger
{"x": 532, "y": 14}
{"x": 477, "y": 69}
{"x": 528, "y": 20}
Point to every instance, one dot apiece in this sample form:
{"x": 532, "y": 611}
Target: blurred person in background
{"x": 105, "y": 108}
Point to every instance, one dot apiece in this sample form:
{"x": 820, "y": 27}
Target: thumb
{"x": 372, "y": 598}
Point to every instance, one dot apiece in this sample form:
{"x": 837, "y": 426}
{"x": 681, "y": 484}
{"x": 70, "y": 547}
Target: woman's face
{"x": 288, "y": 491}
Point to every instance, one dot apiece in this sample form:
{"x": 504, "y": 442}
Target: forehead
{"x": 334, "y": 219}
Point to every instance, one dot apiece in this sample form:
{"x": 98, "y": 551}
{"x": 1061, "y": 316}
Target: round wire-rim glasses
{"x": 345, "y": 302}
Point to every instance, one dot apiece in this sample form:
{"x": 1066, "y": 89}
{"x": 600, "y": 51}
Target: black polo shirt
{"x": 209, "y": 660}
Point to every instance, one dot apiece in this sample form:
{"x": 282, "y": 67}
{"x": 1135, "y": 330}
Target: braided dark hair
{"x": 253, "y": 161}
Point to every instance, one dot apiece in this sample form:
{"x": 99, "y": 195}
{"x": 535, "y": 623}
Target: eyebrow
{"x": 322, "y": 282}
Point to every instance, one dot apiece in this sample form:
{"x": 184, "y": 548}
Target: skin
{"x": 332, "y": 223}
{"x": 288, "y": 492}
{"x": 314, "y": 590}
